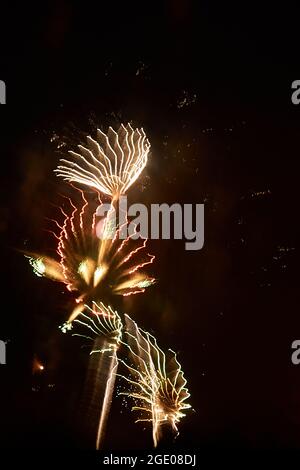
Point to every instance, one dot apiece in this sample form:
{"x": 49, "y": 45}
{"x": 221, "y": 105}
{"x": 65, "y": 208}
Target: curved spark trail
{"x": 111, "y": 163}
{"x": 156, "y": 381}
{"x": 99, "y": 320}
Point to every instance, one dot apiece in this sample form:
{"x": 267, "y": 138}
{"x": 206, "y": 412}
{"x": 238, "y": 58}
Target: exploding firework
{"x": 95, "y": 263}
{"x": 155, "y": 380}
{"x": 111, "y": 163}
{"x": 92, "y": 267}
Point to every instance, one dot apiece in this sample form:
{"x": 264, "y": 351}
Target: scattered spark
{"x": 141, "y": 69}
{"x": 67, "y": 326}
{"x": 38, "y": 265}
{"x": 260, "y": 193}
{"x": 283, "y": 249}
{"x": 108, "y": 69}
{"x": 186, "y": 99}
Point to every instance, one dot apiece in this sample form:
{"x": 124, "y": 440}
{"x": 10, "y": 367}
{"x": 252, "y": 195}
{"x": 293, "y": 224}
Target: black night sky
{"x": 210, "y": 83}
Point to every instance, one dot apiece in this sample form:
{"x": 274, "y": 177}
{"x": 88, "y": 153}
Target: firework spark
{"x": 156, "y": 381}
{"x": 111, "y": 163}
{"x": 92, "y": 267}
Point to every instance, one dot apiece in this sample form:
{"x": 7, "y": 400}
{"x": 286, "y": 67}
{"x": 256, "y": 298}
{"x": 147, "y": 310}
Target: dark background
{"x": 211, "y": 85}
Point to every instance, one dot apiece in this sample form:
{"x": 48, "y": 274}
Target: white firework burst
{"x": 111, "y": 163}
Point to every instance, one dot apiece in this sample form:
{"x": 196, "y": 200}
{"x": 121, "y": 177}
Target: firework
{"x": 95, "y": 262}
{"x": 91, "y": 267}
{"x": 99, "y": 320}
{"x": 155, "y": 380}
{"x": 111, "y": 163}
{"x": 103, "y": 326}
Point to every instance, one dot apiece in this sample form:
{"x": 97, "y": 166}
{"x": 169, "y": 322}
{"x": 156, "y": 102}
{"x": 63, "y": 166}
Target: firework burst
{"x": 92, "y": 267}
{"x": 111, "y": 163}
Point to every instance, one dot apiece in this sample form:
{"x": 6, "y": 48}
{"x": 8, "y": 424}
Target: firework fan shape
{"x": 99, "y": 320}
{"x": 111, "y": 163}
{"x": 156, "y": 380}
{"x": 92, "y": 267}
{"x": 102, "y": 326}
